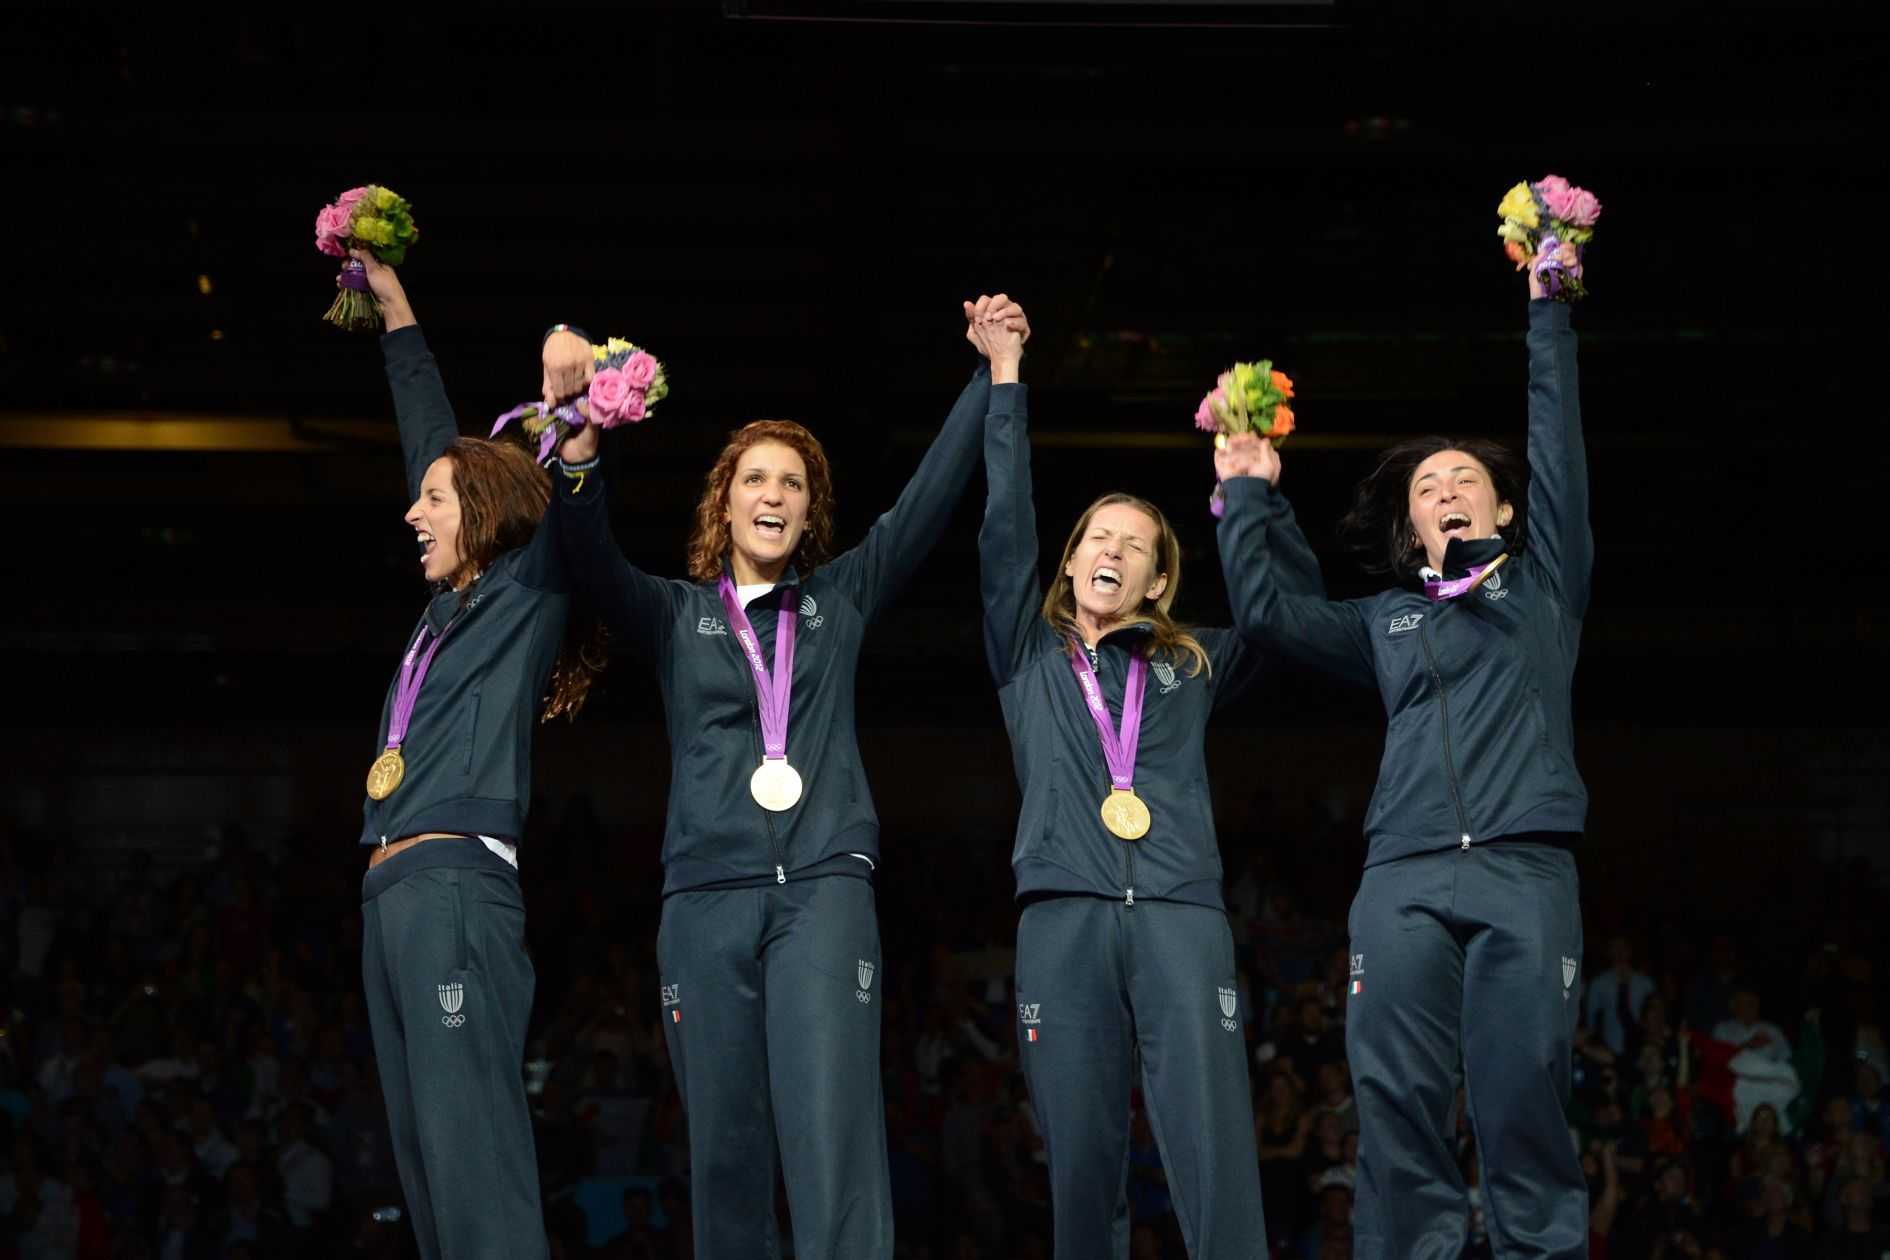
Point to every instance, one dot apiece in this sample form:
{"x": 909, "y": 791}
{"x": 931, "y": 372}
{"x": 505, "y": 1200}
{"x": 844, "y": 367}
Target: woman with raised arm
{"x": 1123, "y": 945}
{"x": 769, "y": 945}
{"x": 449, "y": 985}
{"x": 1466, "y": 932}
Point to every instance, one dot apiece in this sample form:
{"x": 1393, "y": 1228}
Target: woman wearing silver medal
{"x": 448, "y": 983}
{"x": 769, "y": 944}
{"x": 1123, "y": 946}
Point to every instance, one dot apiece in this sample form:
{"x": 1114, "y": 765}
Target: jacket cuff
{"x": 1009, "y": 399}
{"x": 1549, "y": 314}
{"x": 403, "y": 343}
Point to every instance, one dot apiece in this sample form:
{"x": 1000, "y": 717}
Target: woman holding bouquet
{"x": 769, "y": 944}
{"x": 449, "y": 985}
{"x": 1123, "y": 944}
{"x": 1466, "y": 933}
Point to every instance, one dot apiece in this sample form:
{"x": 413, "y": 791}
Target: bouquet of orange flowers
{"x": 1247, "y": 398}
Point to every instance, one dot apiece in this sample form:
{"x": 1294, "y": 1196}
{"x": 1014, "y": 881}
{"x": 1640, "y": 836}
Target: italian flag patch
{"x": 675, "y": 1017}
{"x": 1358, "y": 987}
{"x": 1031, "y": 1033}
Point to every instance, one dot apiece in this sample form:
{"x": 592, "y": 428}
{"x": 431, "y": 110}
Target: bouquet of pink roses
{"x": 628, "y": 383}
{"x": 1246, "y": 398}
{"x": 1546, "y": 225}
{"x": 372, "y": 218}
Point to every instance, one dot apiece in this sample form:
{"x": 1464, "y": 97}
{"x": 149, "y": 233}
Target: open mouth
{"x": 1453, "y": 523}
{"x": 769, "y": 526}
{"x": 1106, "y": 580}
{"x": 427, "y": 543}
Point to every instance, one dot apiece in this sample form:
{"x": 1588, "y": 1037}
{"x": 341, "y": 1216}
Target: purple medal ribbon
{"x": 1439, "y": 589}
{"x": 412, "y": 674}
{"x": 1118, "y": 750}
{"x": 770, "y": 692}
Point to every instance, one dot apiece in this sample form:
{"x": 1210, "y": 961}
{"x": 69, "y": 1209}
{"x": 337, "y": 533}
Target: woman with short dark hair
{"x": 1466, "y": 933}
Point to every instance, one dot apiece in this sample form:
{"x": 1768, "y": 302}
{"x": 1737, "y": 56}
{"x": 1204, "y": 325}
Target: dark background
{"x": 789, "y": 213}
{"x": 207, "y": 579}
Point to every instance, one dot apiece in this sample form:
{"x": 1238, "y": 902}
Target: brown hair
{"x": 502, "y": 498}
{"x": 709, "y": 542}
{"x": 1170, "y": 637}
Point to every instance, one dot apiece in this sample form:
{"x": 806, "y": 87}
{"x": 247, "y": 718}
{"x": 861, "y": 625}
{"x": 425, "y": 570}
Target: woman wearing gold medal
{"x": 769, "y": 944}
{"x": 1123, "y": 946}
{"x": 448, "y": 983}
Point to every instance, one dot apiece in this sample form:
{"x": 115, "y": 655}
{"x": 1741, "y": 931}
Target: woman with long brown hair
{"x": 449, "y": 985}
{"x": 1123, "y": 946}
{"x": 769, "y": 945}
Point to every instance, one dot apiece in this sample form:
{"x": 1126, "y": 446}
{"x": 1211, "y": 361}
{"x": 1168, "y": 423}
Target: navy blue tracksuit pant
{"x": 1098, "y": 981}
{"x": 771, "y": 1000}
{"x": 1466, "y": 958}
{"x": 449, "y": 995}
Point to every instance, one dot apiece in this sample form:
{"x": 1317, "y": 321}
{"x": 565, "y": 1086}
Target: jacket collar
{"x": 1462, "y": 555}
{"x": 790, "y": 576}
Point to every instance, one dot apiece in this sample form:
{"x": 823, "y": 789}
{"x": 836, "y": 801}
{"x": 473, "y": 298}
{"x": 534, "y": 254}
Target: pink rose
{"x": 333, "y": 226}
{"x": 347, "y": 199}
{"x": 1574, "y": 206}
{"x": 610, "y": 390}
{"x": 640, "y": 370}
{"x": 633, "y": 407}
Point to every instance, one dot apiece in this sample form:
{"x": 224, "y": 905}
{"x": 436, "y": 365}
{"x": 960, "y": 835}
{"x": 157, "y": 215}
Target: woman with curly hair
{"x": 769, "y": 945}
{"x": 448, "y": 983}
{"x": 1466, "y": 933}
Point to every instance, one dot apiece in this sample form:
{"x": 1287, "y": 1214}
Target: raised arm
{"x": 1559, "y": 532}
{"x": 425, "y": 418}
{"x": 874, "y": 571}
{"x": 634, "y": 606}
{"x": 1273, "y": 581}
{"x": 1007, "y": 541}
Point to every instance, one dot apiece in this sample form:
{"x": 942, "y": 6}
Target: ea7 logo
{"x": 1405, "y": 624}
{"x": 672, "y": 994}
{"x": 711, "y": 625}
{"x": 1027, "y": 1012}
{"x": 1358, "y": 964}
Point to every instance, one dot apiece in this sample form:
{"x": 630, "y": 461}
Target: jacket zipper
{"x": 1450, "y": 765}
{"x": 1128, "y": 875}
{"x": 767, "y": 816}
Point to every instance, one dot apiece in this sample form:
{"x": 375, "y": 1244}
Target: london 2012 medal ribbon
{"x": 390, "y": 768}
{"x": 775, "y": 785}
{"x": 1123, "y": 812}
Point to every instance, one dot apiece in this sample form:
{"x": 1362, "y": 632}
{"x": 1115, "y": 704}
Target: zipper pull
{"x": 1129, "y": 899}
{"x": 780, "y": 872}
{"x": 1465, "y": 846}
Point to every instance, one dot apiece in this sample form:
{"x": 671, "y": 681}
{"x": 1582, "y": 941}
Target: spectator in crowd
{"x": 1330, "y": 1234}
{"x": 1859, "y": 1234}
{"x": 1612, "y": 1008}
{"x": 1709, "y": 996}
{"x": 1870, "y": 1108}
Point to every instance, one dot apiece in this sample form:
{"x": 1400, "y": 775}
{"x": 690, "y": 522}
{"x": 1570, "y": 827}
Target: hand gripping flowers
{"x": 1248, "y": 398}
{"x": 629, "y": 382}
{"x": 1545, "y": 227}
{"x": 372, "y": 218}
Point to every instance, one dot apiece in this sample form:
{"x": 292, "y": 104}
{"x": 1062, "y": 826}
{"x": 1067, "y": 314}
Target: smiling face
{"x": 435, "y": 520}
{"x": 1114, "y": 566}
{"x": 766, "y": 510}
{"x": 1453, "y": 496}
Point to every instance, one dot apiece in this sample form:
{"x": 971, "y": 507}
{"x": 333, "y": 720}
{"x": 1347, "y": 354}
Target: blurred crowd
{"x": 186, "y": 1071}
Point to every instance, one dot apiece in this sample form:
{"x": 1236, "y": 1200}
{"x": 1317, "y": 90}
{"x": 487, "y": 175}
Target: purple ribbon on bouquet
{"x": 568, "y": 413}
{"x": 1551, "y": 272}
{"x": 354, "y": 275}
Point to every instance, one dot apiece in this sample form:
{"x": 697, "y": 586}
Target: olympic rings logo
{"x": 453, "y": 1021}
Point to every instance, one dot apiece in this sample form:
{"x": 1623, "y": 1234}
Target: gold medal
{"x": 775, "y": 785}
{"x": 1125, "y": 815}
{"x": 385, "y": 774}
